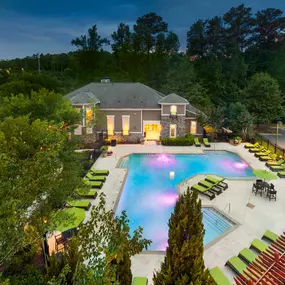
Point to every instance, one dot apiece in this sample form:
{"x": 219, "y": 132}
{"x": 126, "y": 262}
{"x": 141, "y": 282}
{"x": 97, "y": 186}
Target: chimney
{"x": 105, "y": 79}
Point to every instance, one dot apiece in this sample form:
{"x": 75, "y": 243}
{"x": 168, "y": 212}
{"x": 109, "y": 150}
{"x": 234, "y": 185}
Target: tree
{"x": 38, "y": 172}
{"x": 107, "y": 244}
{"x": 90, "y": 42}
{"x": 183, "y": 262}
{"x": 122, "y": 39}
{"x": 239, "y": 119}
{"x": 44, "y": 105}
{"x": 263, "y": 98}
{"x": 197, "y": 38}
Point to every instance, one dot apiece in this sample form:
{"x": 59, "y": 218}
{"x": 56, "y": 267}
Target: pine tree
{"x": 183, "y": 263}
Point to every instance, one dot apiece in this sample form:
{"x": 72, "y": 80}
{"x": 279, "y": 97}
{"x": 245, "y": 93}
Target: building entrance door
{"x": 152, "y": 131}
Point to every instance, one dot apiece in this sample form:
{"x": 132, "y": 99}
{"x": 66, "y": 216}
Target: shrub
{"x": 189, "y": 136}
{"x": 177, "y": 141}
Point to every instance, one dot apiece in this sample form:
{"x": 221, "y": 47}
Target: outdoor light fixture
{"x": 171, "y": 174}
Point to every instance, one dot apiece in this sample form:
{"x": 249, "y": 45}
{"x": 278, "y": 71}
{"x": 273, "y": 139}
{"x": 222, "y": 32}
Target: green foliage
{"x": 178, "y": 141}
{"x": 183, "y": 262}
{"x": 189, "y": 136}
{"x": 263, "y": 98}
{"x": 29, "y": 276}
{"x": 107, "y": 244}
{"x": 44, "y": 105}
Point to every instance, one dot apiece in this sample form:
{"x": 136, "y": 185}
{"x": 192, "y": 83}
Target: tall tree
{"x": 263, "y": 98}
{"x": 183, "y": 262}
{"x": 122, "y": 39}
{"x": 197, "y": 38}
{"x": 240, "y": 26}
{"x": 270, "y": 27}
{"x": 90, "y": 42}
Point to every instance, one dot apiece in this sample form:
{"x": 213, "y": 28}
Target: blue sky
{"x": 33, "y": 26}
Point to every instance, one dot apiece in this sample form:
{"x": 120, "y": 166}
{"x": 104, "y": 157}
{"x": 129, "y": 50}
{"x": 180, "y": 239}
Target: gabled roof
{"x": 190, "y": 111}
{"x": 117, "y": 95}
{"x": 173, "y": 99}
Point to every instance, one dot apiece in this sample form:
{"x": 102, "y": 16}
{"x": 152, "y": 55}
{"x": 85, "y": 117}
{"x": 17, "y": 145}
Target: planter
{"x": 235, "y": 142}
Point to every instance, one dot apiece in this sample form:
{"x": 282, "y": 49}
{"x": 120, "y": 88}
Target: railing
{"x": 228, "y": 206}
{"x": 273, "y": 147}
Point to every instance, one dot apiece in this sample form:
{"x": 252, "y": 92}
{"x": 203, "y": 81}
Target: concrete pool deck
{"x": 253, "y": 222}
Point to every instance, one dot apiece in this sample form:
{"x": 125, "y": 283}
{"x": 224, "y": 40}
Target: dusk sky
{"x": 32, "y": 26}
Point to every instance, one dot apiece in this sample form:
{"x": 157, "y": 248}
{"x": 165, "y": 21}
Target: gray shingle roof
{"x": 173, "y": 99}
{"x": 117, "y": 95}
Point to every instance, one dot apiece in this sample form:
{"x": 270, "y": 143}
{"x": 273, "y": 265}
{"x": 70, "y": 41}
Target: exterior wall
{"x": 187, "y": 127}
{"x": 151, "y": 115}
{"x": 180, "y": 109}
{"x": 133, "y": 138}
{"x": 180, "y": 126}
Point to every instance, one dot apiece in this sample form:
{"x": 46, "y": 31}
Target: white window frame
{"x": 173, "y": 110}
{"x": 174, "y": 130}
{"x": 193, "y": 133}
{"x": 126, "y": 132}
{"x": 111, "y": 132}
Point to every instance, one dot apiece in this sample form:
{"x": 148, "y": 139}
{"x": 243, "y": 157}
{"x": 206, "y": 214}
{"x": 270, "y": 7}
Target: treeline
{"x": 223, "y": 55}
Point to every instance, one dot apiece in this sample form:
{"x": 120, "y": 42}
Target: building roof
{"x": 117, "y": 95}
{"x": 173, "y": 99}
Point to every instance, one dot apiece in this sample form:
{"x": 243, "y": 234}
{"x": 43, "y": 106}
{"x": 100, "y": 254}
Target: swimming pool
{"x": 150, "y": 191}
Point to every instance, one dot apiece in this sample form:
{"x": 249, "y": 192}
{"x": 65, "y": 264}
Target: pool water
{"x": 150, "y": 190}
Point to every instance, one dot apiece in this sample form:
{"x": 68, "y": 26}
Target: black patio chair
{"x": 271, "y": 194}
{"x": 257, "y": 188}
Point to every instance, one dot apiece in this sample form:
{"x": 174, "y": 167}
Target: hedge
{"x": 177, "y": 141}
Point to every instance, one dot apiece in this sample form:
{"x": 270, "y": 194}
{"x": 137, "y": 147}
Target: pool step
{"x": 217, "y": 220}
{"x": 124, "y": 162}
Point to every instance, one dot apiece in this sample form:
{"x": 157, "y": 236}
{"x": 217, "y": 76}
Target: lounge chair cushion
{"x": 85, "y": 204}
{"x": 99, "y": 172}
{"x": 264, "y": 158}
{"x": 270, "y": 235}
{"x": 237, "y": 264}
{"x": 275, "y": 163}
{"x": 281, "y": 174}
{"x": 206, "y": 142}
{"x": 248, "y": 255}
{"x": 196, "y": 142}
{"x": 200, "y": 188}
{"x": 139, "y": 281}
{"x": 97, "y": 184}
{"x": 250, "y": 145}
{"x": 92, "y": 193}
{"x": 259, "y": 245}
{"x": 219, "y": 276}
{"x": 214, "y": 179}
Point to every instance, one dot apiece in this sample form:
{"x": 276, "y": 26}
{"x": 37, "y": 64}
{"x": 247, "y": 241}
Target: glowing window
{"x": 193, "y": 127}
{"x": 126, "y": 124}
{"x": 173, "y": 110}
{"x": 110, "y": 124}
{"x": 89, "y": 115}
{"x": 172, "y": 131}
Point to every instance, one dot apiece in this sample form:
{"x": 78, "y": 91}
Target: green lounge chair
{"x": 196, "y": 142}
{"x": 270, "y": 235}
{"x": 275, "y": 163}
{"x": 247, "y": 255}
{"x": 281, "y": 174}
{"x": 259, "y": 245}
{"x": 206, "y": 142}
{"x": 99, "y": 172}
{"x": 277, "y": 167}
{"x": 238, "y": 266}
{"x": 262, "y": 153}
{"x": 83, "y": 204}
{"x": 211, "y": 186}
{"x": 257, "y": 149}
{"x": 95, "y": 184}
{"x": 91, "y": 193}
{"x": 95, "y": 177}
{"x": 219, "y": 276}
{"x": 250, "y": 145}
{"x": 204, "y": 191}
{"x": 140, "y": 281}
{"x": 217, "y": 181}
{"x": 265, "y": 158}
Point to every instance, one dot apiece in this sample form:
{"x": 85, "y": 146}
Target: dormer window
{"x": 173, "y": 110}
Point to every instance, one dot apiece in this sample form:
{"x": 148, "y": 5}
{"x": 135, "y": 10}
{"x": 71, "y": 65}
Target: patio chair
{"x": 95, "y": 184}
{"x": 277, "y": 168}
{"x": 250, "y": 145}
{"x": 95, "y": 177}
{"x": 265, "y": 158}
{"x": 271, "y": 194}
{"x": 262, "y": 153}
{"x": 238, "y": 266}
{"x": 257, "y": 188}
{"x": 281, "y": 174}
{"x": 206, "y": 142}
{"x": 275, "y": 163}
{"x": 203, "y": 190}
{"x": 247, "y": 255}
{"x": 217, "y": 181}
{"x": 91, "y": 193}
{"x": 211, "y": 186}
{"x": 269, "y": 235}
{"x": 196, "y": 142}
{"x": 259, "y": 245}
{"x": 219, "y": 276}
{"x": 140, "y": 281}
{"x": 257, "y": 149}
{"x": 99, "y": 172}
{"x": 83, "y": 204}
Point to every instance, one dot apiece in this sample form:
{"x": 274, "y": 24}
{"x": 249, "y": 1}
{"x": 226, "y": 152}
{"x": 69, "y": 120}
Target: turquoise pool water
{"x": 150, "y": 192}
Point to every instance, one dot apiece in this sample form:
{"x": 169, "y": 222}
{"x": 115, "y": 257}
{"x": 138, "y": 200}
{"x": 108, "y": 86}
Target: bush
{"x": 177, "y": 141}
{"x": 189, "y": 136}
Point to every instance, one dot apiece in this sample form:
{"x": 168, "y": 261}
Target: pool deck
{"x": 253, "y": 222}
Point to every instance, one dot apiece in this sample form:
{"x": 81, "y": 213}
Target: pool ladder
{"x": 228, "y": 206}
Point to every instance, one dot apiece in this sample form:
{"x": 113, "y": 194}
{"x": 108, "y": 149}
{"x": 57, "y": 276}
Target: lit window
{"x": 172, "y": 131}
{"x": 173, "y": 110}
{"x": 126, "y": 124}
{"x": 110, "y": 124}
{"x": 89, "y": 115}
{"x": 193, "y": 127}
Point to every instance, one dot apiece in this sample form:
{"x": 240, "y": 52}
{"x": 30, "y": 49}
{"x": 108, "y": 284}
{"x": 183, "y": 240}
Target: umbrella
{"x": 69, "y": 219}
{"x": 264, "y": 174}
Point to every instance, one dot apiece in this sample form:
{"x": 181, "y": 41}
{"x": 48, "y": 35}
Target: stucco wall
{"x": 187, "y": 127}
{"x": 180, "y": 109}
{"x": 151, "y": 115}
